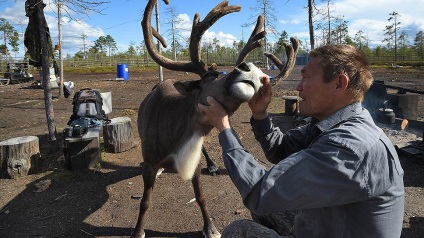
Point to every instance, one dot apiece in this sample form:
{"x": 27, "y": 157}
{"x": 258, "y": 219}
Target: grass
{"x": 107, "y": 69}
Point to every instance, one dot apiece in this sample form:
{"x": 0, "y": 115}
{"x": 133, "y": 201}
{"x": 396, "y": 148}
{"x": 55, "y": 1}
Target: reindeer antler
{"x": 255, "y": 40}
{"x": 199, "y": 28}
{"x": 291, "y": 52}
{"x": 196, "y": 65}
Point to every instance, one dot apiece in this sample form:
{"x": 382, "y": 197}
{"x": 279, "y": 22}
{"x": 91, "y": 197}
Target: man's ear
{"x": 342, "y": 81}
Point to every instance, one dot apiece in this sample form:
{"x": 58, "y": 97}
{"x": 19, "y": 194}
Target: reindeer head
{"x": 244, "y": 81}
{"x": 234, "y": 88}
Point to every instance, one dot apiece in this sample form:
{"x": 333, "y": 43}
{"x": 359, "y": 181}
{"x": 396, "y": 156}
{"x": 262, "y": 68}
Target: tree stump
{"x": 290, "y": 105}
{"x": 19, "y": 156}
{"x": 117, "y": 135}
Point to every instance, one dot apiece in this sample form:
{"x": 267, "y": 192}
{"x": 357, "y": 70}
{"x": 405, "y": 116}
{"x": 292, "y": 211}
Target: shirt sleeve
{"x": 244, "y": 170}
{"x": 312, "y": 177}
{"x": 274, "y": 143}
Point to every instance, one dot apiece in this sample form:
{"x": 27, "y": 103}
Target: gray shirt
{"x": 343, "y": 173}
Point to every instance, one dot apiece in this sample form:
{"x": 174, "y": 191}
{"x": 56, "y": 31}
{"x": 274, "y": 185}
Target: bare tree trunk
{"x": 46, "y": 73}
{"x": 329, "y": 23}
{"x": 59, "y": 27}
{"x": 158, "y": 30}
{"x": 311, "y": 24}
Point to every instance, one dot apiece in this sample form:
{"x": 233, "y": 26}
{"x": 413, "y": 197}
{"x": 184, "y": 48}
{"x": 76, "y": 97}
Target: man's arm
{"x": 314, "y": 177}
{"x": 260, "y": 101}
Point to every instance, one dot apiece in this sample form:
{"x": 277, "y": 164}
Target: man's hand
{"x": 260, "y": 101}
{"x": 215, "y": 114}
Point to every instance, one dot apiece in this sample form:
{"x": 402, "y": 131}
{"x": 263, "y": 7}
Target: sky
{"x": 121, "y": 20}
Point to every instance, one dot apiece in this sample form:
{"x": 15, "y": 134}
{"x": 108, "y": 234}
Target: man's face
{"x": 315, "y": 94}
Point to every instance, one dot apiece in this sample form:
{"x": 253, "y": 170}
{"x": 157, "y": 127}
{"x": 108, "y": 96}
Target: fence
{"x": 408, "y": 58}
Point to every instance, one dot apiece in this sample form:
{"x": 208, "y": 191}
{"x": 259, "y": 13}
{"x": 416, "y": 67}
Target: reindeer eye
{"x": 243, "y": 67}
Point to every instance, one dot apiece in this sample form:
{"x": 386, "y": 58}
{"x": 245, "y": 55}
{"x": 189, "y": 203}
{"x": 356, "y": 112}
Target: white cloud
{"x": 185, "y": 23}
{"x": 295, "y": 21}
{"x": 284, "y": 22}
{"x": 369, "y": 16}
{"x": 226, "y": 39}
{"x": 71, "y": 30}
{"x": 372, "y": 16}
{"x": 14, "y": 14}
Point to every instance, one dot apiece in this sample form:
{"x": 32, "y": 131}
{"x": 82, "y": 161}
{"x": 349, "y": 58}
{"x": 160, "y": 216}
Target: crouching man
{"x": 340, "y": 173}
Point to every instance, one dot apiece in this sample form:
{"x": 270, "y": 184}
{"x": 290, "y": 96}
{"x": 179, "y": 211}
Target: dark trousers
{"x": 270, "y": 226}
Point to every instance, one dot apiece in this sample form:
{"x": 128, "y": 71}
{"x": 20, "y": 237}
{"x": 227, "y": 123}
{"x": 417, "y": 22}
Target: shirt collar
{"x": 339, "y": 116}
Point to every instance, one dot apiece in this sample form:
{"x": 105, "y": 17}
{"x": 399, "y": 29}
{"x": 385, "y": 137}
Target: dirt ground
{"x": 104, "y": 202}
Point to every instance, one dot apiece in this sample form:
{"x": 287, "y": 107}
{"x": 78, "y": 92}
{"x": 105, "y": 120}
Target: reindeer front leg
{"x": 209, "y": 230}
{"x": 149, "y": 177}
{"x": 212, "y": 168}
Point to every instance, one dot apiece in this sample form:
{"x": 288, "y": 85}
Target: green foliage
{"x": 213, "y": 52}
{"x": 391, "y": 30}
{"x": 419, "y": 44}
{"x": 105, "y": 44}
{"x": 339, "y": 32}
{"x": 360, "y": 39}
{"x": 9, "y": 35}
{"x": 105, "y": 69}
{"x": 284, "y": 37}
{"x": 131, "y": 50}
{"x": 349, "y": 41}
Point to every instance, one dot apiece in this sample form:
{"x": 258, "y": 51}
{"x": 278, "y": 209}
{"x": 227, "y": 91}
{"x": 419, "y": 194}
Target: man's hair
{"x": 345, "y": 59}
{"x": 213, "y": 67}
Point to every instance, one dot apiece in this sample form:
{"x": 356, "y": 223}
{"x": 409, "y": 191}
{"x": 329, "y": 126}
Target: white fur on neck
{"x": 187, "y": 158}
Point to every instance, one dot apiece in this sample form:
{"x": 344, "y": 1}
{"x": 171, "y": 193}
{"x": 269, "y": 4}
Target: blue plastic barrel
{"x": 122, "y": 72}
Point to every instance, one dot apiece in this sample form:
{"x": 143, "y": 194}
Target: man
{"x": 340, "y": 171}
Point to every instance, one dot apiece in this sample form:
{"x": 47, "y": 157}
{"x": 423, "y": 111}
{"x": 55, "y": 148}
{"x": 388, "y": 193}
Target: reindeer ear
{"x": 243, "y": 67}
{"x": 187, "y": 87}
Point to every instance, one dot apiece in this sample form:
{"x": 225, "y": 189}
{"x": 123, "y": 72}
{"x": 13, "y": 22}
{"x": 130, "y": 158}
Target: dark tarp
{"x": 32, "y": 34}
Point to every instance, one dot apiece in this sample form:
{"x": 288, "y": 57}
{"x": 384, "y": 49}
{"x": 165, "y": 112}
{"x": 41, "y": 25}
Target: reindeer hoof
{"x": 138, "y": 235}
{"x": 211, "y": 233}
{"x": 213, "y": 170}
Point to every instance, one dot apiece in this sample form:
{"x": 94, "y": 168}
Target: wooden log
{"x": 19, "y": 156}
{"x": 117, "y": 135}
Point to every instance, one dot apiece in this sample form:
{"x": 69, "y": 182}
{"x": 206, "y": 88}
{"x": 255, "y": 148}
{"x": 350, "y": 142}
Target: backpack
{"x": 87, "y": 103}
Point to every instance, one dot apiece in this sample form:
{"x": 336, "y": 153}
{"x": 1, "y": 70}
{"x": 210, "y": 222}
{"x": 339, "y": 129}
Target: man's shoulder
{"x": 359, "y": 133}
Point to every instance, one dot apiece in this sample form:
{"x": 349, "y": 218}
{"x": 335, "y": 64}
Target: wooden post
{"x": 291, "y": 106}
{"x": 117, "y": 135}
{"x": 19, "y": 156}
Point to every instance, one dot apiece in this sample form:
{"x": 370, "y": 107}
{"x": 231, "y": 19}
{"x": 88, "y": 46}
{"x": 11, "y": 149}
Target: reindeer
{"x": 170, "y": 125}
